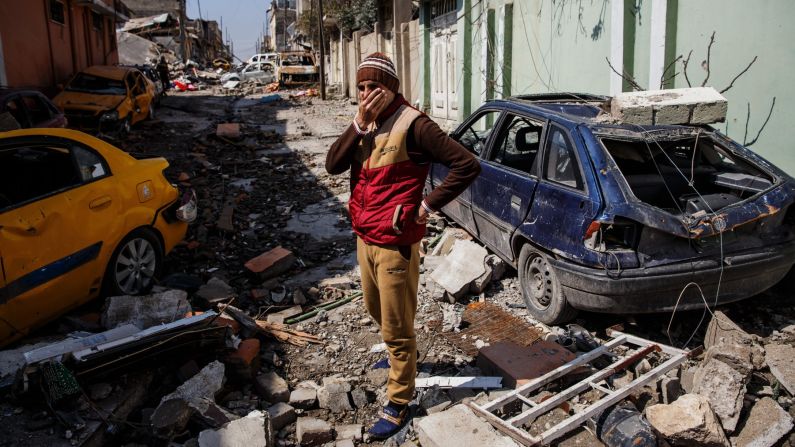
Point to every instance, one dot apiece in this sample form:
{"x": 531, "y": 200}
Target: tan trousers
{"x": 389, "y": 283}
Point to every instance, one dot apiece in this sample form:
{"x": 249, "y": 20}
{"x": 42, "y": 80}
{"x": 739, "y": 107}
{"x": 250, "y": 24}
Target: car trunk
{"x": 687, "y": 176}
{"x": 699, "y": 196}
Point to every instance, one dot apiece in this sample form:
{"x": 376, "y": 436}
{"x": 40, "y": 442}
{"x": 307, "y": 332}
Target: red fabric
{"x": 376, "y": 195}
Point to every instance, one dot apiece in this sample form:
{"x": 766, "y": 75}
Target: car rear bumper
{"x": 657, "y": 289}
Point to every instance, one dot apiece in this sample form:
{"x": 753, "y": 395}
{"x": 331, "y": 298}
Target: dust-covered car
{"x": 621, "y": 218}
{"x": 105, "y": 98}
{"x": 79, "y": 217}
{"x": 262, "y": 72}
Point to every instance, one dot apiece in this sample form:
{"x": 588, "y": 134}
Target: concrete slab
{"x": 781, "y": 361}
{"x": 766, "y": 424}
{"x": 312, "y": 431}
{"x": 698, "y": 105}
{"x": 724, "y": 387}
{"x": 687, "y": 421}
{"x": 145, "y": 311}
{"x": 464, "y": 264}
{"x": 459, "y": 426}
{"x": 254, "y": 430}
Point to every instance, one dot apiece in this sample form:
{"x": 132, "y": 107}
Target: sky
{"x": 244, "y": 21}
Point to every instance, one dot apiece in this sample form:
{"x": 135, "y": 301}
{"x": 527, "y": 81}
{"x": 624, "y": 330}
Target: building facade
{"x": 476, "y": 50}
{"x": 44, "y": 43}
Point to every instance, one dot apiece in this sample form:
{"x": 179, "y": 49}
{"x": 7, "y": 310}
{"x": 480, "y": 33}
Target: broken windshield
{"x": 87, "y": 83}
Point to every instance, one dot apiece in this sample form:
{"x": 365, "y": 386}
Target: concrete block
{"x": 706, "y": 113}
{"x": 196, "y": 395}
{"x": 203, "y": 386}
{"x": 272, "y": 387}
{"x": 279, "y": 317}
{"x": 349, "y": 431}
{"x": 517, "y": 364}
{"x": 145, "y": 311}
{"x": 344, "y": 443}
{"x": 303, "y": 398}
{"x": 723, "y": 331}
{"x": 448, "y": 239}
{"x": 312, "y": 431}
{"x": 458, "y": 426}
{"x": 671, "y": 114}
{"x": 689, "y": 421}
{"x": 271, "y": 263}
{"x": 781, "y": 361}
{"x": 281, "y": 415}
{"x": 699, "y": 105}
{"x": 216, "y": 291}
{"x": 724, "y": 388}
{"x": 735, "y": 355}
{"x": 464, "y": 264}
{"x": 254, "y": 430}
{"x": 333, "y": 395}
{"x": 766, "y": 424}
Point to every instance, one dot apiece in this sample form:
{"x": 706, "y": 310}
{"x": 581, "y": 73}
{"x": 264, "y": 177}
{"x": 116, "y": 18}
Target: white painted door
{"x": 444, "y": 78}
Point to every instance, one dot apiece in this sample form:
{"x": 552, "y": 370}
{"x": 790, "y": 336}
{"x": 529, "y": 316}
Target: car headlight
{"x": 112, "y": 115}
{"x": 188, "y": 207}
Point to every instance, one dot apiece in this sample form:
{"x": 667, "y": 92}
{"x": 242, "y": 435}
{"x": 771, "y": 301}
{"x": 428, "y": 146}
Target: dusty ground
{"x": 274, "y": 177}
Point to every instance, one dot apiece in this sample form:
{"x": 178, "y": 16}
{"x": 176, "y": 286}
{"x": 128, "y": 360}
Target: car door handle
{"x": 99, "y": 202}
{"x": 516, "y": 203}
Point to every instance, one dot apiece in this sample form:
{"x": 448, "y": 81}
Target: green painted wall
{"x": 556, "y": 46}
{"x": 743, "y": 30}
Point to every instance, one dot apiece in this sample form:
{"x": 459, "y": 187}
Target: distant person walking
{"x": 162, "y": 71}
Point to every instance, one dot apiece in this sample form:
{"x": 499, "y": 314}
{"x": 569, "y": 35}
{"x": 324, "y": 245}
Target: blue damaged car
{"x": 621, "y": 218}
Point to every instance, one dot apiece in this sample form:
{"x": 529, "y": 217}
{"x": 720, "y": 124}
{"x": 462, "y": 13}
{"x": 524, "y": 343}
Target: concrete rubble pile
{"x": 256, "y": 334}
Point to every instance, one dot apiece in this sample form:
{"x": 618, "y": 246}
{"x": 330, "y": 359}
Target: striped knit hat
{"x": 377, "y": 67}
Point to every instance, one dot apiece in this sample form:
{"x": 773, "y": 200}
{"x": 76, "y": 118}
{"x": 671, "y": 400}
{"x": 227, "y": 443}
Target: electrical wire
{"x": 646, "y": 133}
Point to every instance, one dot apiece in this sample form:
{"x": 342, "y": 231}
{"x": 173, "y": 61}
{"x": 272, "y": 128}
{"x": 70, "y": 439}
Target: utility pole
{"x": 182, "y": 33}
{"x": 322, "y": 52}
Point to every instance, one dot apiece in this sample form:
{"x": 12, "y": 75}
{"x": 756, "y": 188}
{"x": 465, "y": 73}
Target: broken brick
{"x": 271, "y": 263}
{"x": 228, "y": 130}
{"x": 244, "y": 361}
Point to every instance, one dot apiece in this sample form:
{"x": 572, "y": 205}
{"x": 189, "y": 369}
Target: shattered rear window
{"x": 87, "y": 83}
{"x": 686, "y": 175}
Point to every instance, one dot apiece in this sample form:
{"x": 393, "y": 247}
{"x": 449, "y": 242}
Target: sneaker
{"x": 392, "y": 419}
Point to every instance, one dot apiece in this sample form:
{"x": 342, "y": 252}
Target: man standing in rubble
{"x": 162, "y": 72}
{"x": 389, "y": 148}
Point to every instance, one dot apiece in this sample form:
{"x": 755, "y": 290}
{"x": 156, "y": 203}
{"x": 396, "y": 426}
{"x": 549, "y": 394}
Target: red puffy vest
{"x": 386, "y": 186}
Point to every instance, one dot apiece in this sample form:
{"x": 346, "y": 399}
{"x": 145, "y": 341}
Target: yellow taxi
{"x": 107, "y": 98}
{"x": 79, "y": 218}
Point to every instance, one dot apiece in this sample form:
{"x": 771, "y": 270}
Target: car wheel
{"x": 134, "y": 264}
{"x": 541, "y": 290}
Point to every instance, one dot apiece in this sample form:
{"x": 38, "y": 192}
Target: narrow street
{"x": 266, "y": 188}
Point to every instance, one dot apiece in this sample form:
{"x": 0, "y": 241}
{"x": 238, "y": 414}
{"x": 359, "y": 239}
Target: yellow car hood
{"x": 87, "y": 101}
